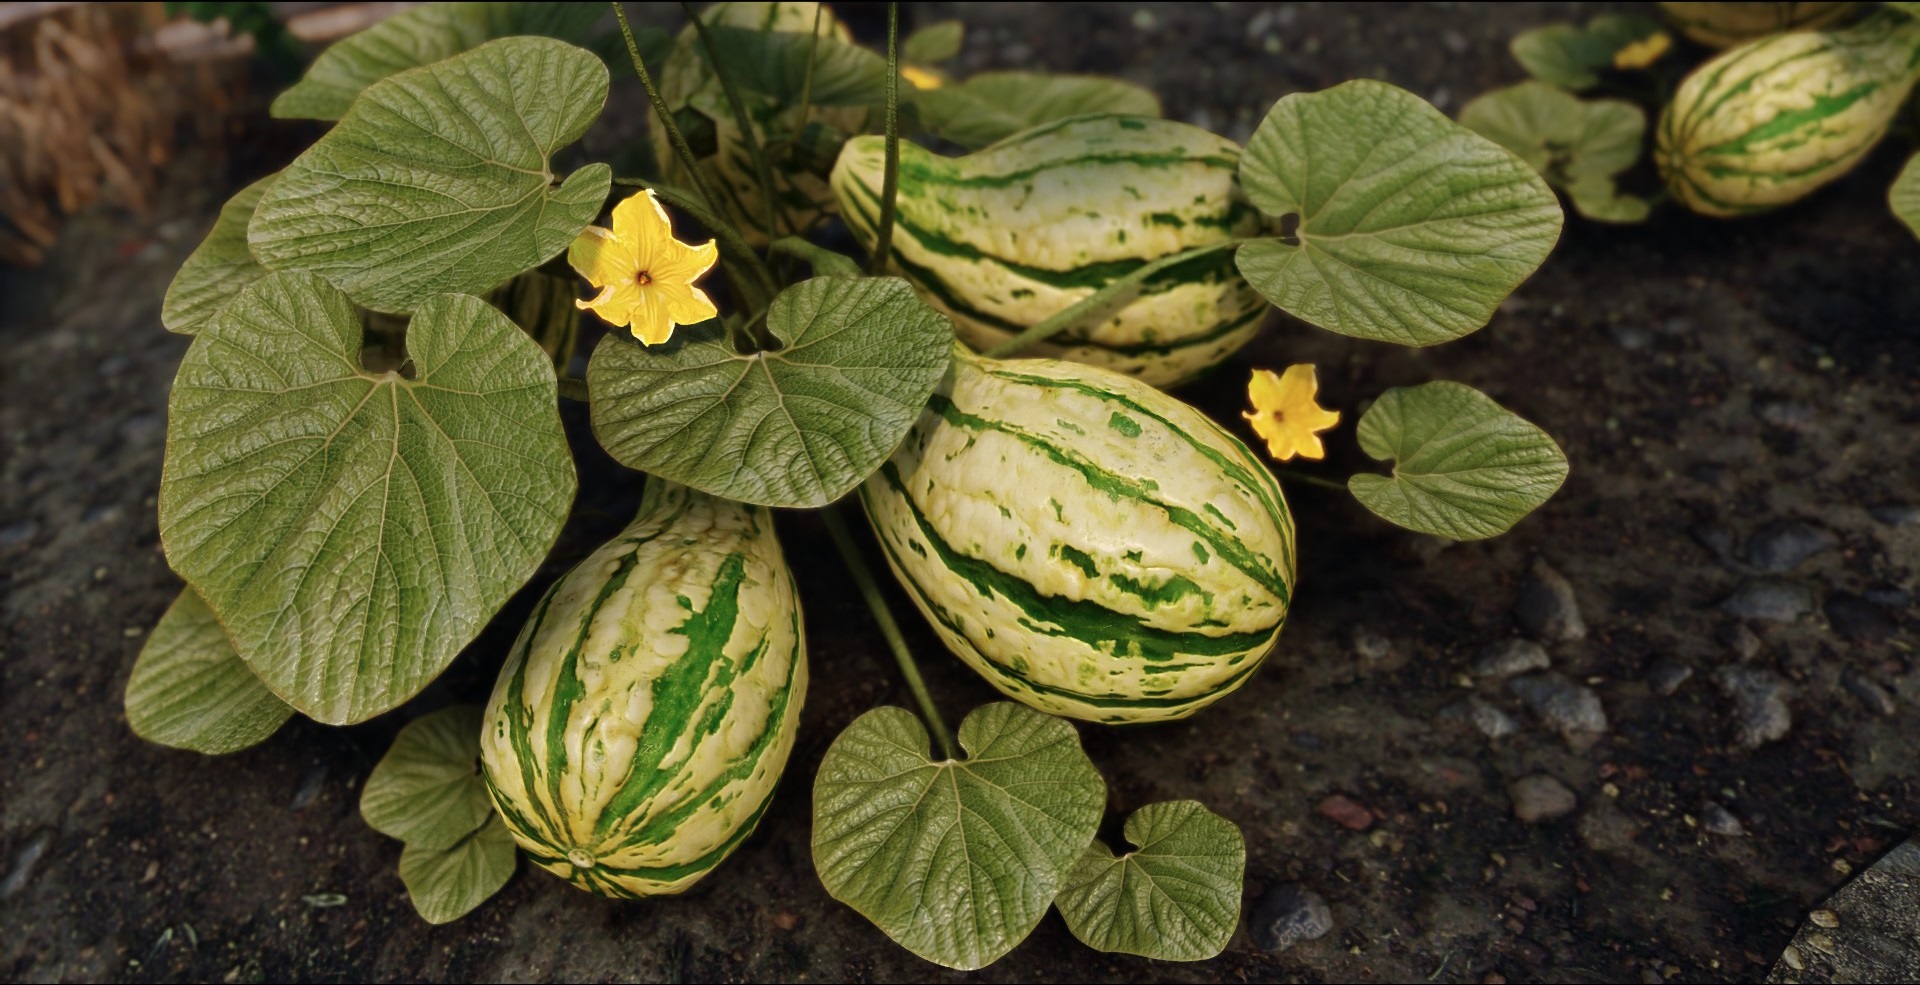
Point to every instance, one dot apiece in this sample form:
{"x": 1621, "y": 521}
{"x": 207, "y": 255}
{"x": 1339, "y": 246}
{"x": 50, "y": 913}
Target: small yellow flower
{"x": 645, "y": 276}
{"x": 922, "y": 78}
{"x": 1285, "y": 414}
{"x": 1644, "y": 52}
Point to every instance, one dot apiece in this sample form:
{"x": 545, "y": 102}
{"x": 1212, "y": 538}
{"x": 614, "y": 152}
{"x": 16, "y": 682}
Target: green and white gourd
{"x": 1723, "y": 25}
{"x": 1769, "y": 122}
{"x": 1004, "y": 237}
{"x": 1092, "y": 546}
{"x": 645, "y": 713}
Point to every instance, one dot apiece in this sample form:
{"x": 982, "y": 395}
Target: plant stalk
{"x": 1102, "y": 302}
{"x": 574, "y": 388}
{"x": 665, "y": 115}
{"x": 1290, "y": 475}
{"x": 762, "y": 170}
{"x": 890, "y": 189}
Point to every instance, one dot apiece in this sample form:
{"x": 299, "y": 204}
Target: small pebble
{"x": 1888, "y": 597}
{"x": 310, "y": 788}
{"x": 1868, "y": 692}
{"x": 1483, "y": 715}
{"x": 25, "y": 861}
{"x": 1744, "y": 643}
{"x": 1571, "y": 709}
{"x": 1346, "y": 812}
{"x": 1717, "y": 538}
{"x": 1288, "y": 914}
{"x": 1760, "y": 712}
{"x": 1857, "y": 619}
{"x": 1780, "y": 547}
{"x": 1547, "y": 607}
{"x": 1369, "y": 644}
{"x": 1505, "y": 658}
{"x": 1454, "y": 41}
{"x": 1716, "y": 819}
{"x": 1630, "y": 336}
{"x": 1667, "y": 674}
{"x": 1896, "y": 514}
{"x": 14, "y": 534}
{"x": 1604, "y": 828}
{"x": 1789, "y": 414}
{"x": 142, "y": 429}
{"x": 1539, "y": 798}
{"x": 1772, "y": 599}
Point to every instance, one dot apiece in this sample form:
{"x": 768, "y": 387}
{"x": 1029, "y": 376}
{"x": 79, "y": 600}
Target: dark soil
{"x": 1708, "y": 380}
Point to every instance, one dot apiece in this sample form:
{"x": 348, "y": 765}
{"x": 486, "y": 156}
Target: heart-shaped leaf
{"x": 439, "y": 178}
{"x": 992, "y": 105}
{"x": 189, "y": 690}
{"x": 427, "y": 790}
{"x": 1176, "y": 897}
{"x": 934, "y": 43}
{"x": 799, "y": 426}
{"x": 1574, "y": 57}
{"x": 1464, "y": 466}
{"x": 1904, "y": 196}
{"x": 955, "y": 860}
{"x": 218, "y": 268}
{"x": 421, "y": 36}
{"x": 1410, "y": 227}
{"x": 445, "y": 884}
{"x": 774, "y": 63}
{"x": 354, "y": 529}
{"x": 1578, "y": 146}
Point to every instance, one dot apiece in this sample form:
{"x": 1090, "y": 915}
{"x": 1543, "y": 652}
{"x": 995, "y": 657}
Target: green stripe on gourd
{"x": 645, "y": 713}
{"x": 1722, "y": 25}
{"x": 1767, "y": 123}
{"x": 1006, "y": 236}
{"x": 1090, "y": 545}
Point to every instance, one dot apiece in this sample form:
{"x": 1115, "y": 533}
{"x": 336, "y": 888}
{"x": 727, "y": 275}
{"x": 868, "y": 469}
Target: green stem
{"x": 665, "y": 115}
{"x": 573, "y": 388}
{"x": 825, "y": 262}
{"x": 762, "y": 170}
{"x": 1289, "y": 475}
{"x": 1102, "y": 302}
{"x": 890, "y": 188}
{"x": 863, "y": 577}
{"x": 760, "y": 287}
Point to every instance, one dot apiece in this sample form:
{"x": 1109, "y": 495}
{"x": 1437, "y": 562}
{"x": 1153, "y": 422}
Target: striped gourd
{"x": 648, "y": 707}
{"x": 1723, "y": 25}
{"x": 689, "y": 86}
{"x": 1092, "y": 546}
{"x": 1768, "y": 122}
{"x": 1008, "y": 235}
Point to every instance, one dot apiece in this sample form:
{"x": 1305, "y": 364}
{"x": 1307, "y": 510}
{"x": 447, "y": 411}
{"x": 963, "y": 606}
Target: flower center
{"x": 643, "y": 278}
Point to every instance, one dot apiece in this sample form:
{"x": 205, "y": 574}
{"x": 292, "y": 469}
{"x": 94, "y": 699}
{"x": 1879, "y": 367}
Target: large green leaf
{"x": 189, "y": 690}
{"x": 799, "y": 426}
{"x": 955, "y": 860}
{"x": 1464, "y": 466}
{"x": 1411, "y": 228}
{"x": 775, "y": 63}
{"x": 445, "y": 884}
{"x": 427, "y": 790}
{"x": 218, "y": 268}
{"x": 1578, "y": 146}
{"x": 1904, "y": 196}
{"x": 421, "y": 36}
{"x": 1574, "y": 57}
{"x": 438, "y": 179}
{"x": 992, "y": 105}
{"x": 354, "y": 529}
{"x": 1176, "y": 897}
{"x": 933, "y": 43}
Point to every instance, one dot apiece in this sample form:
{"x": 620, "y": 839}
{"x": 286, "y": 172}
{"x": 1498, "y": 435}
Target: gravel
{"x": 1547, "y": 607}
{"x": 1868, "y": 692}
{"x": 1540, "y": 798}
{"x": 1569, "y": 708}
{"x": 1288, "y": 914}
{"x": 1483, "y": 715}
{"x": 1759, "y": 697}
{"x": 1770, "y": 599}
{"x": 1857, "y": 619}
{"x": 1511, "y": 656}
{"x": 1782, "y": 546}
{"x": 1369, "y": 644}
{"x": 1896, "y": 514}
{"x": 1744, "y": 643}
{"x": 1715, "y": 819}
{"x": 1667, "y": 674}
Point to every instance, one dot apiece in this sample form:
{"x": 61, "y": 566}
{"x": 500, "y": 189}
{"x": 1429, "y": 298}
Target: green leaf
{"x": 354, "y": 529}
{"x": 1464, "y": 466}
{"x": 446, "y": 884}
{"x": 800, "y": 426}
{"x": 218, "y": 268}
{"x": 775, "y": 63}
{"x": 421, "y": 36}
{"x": 1176, "y": 897}
{"x": 993, "y": 105}
{"x": 954, "y": 860}
{"x": 438, "y": 178}
{"x": 933, "y": 44}
{"x": 427, "y": 790}
{"x": 1411, "y": 228}
{"x": 1904, "y": 196}
{"x": 1577, "y": 146}
{"x": 189, "y": 690}
{"x": 1573, "y": 57}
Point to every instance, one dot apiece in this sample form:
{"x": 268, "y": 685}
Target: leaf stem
{"x": 825, "y": 262}
{"x": 762, "y": 170}
{"x": 573, "y": 388}
{"x": 1102, "y": 302}
{"x": 1291, "y": 475}
{"x": 863, "y": 577}
{"x": 665, "y": 114}
{"x": 890, "y": 188}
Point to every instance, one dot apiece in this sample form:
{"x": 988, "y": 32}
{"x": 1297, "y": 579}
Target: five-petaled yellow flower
{"x": 1641, "y": 53}
{"x": 645, "y": 276}
{"x": 1285, "y": 414}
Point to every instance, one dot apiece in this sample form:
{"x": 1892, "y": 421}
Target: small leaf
{"x": 795, "y": 427}
{"x": 1412, "y": 228}
{"x": 1577, "y": 146}
{"x": 955, "y": 860}
{"x": 189, "y": 690}
{"x": 446, "y": 884}
{"x": 421, "y": 36}
{"x": 218, "y": 268}
{"x": 992, "y": 105}
{"x": 775, "y": 63}
{"x": 933, "y": 44}
{"x": 1574, "y": 57}
{"x": 438, "y": 179}
{"x": 427, "y": 790}
{"x": 354, "y": 529}
{"x": 1176, "y": 897}
{"x": 1464, "y": 466}
{"x": 1904, "y": 196}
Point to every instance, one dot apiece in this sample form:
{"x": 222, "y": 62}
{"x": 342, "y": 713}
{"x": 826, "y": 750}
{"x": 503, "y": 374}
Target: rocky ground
{"x": 1642, "y": 737}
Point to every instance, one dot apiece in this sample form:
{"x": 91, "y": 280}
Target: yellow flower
{"x": 1644, "y": 52}
{"x": 922, "y": 78}
{"x": 1285, "y": 414}
{"x": 645, "y": 276}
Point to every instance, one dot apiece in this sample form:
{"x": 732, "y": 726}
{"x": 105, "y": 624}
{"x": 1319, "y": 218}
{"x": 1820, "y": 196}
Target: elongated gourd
{"x": 1723, "y": 25}
{"x": 645, "y": 714}
{"x": 1093, "y": 547}
{"x": 1767, "y": 123}
{"x": 1006, "y": 236}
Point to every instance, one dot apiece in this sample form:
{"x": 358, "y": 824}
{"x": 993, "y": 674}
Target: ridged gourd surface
{"x": 1722, "y": 25}
{"x": 645, "y": 714}
{"x": 1091, "y": 546}
{"x": 1004, "y": 237}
